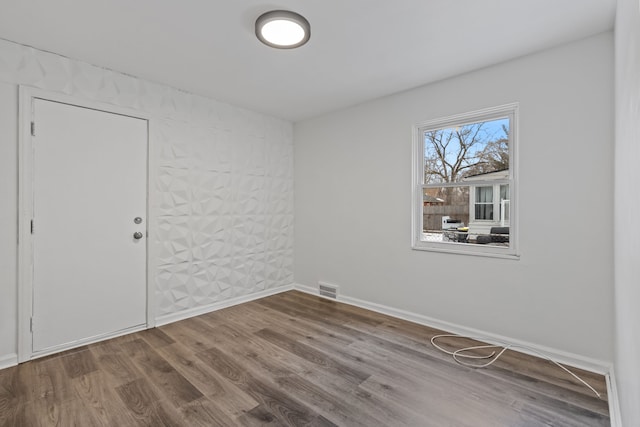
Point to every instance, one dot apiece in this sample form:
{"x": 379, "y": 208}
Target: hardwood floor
{"x": 291, "y": 359}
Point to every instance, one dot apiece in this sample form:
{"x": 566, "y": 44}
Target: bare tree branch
{"x": 453, "y": 153}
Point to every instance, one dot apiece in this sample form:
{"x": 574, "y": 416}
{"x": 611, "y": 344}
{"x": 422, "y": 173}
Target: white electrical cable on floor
{"x": 460, "y": 353}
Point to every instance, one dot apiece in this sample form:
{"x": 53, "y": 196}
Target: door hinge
{"x": 31, "y": 226}
{"x": 33, "y": 128}
{"x": 31, "y": 324}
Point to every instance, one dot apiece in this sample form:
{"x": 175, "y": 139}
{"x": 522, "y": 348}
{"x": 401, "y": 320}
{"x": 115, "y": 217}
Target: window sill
{"x": 467, "y": 249}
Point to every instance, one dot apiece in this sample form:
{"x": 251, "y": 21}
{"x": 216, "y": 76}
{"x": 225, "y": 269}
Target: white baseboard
{"x": 308, "y": 289}
{"x": 85, "y": 341}
{"x": 564, "y": 357}
{"x": 197, "y": 311}
{"x": 615, "y": 416}
{"x": 8, "y": 360}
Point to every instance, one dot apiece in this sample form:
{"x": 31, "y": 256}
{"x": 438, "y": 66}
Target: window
{"x": 484, "y": 203}
{"x": 464, "y": 183}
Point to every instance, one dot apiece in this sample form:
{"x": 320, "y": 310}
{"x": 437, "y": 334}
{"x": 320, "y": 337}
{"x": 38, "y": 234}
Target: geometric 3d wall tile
{"x": 224, "y": 181}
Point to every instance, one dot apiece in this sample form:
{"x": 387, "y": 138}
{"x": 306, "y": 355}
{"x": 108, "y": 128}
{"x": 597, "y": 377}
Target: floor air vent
{"x": 327, "y": 290}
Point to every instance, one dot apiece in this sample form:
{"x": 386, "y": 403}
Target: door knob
{"x": 137, "y": 235}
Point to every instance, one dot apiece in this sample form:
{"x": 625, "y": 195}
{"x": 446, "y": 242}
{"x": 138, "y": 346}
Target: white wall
{"x": 224, "y": 186}
{"x": 353, "y": 189}
{"x": 627, "y": 210}
{"x": 8, "y": 220}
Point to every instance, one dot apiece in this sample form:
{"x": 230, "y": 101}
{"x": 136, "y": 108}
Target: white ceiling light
{"x": 282, "y": 29}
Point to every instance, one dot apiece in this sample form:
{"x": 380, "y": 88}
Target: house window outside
{"x": 464, "y": 183}
{"x": 484, "y": 203}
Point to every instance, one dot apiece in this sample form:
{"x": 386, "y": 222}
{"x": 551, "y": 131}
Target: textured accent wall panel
{"x": 224, "y": 186}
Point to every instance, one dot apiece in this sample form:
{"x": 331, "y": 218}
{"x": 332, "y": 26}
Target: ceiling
{"x": 359, "y": 49}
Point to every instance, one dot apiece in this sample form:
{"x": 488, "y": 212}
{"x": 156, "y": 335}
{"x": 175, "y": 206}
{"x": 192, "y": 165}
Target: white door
{"x": 90, "y": 185}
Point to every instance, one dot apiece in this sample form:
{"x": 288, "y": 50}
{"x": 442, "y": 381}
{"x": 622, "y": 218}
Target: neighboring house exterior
{"x": 488, "y": 201}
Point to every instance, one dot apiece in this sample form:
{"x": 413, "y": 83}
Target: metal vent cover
{"x": 327, "y": 290}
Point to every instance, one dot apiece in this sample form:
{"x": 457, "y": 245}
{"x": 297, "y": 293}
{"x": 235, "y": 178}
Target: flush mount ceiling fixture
{"x": 282, "y": 29}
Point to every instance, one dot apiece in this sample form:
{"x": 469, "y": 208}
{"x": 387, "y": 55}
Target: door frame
{"x": 27, "y": 96}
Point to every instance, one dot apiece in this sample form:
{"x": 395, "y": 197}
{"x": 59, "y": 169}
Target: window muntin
{"x": 464, "y": 170}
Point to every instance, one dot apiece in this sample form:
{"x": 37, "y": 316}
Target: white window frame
{"x": 493, "y": 113}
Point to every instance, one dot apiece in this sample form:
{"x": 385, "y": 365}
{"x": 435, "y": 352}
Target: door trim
{"x": 27, "y": 95}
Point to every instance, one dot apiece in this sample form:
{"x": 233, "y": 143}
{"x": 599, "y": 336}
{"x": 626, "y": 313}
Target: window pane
{"x": 504, "y": 192}
{"x": 484, "y": 211}
{"x": 445, "y": 209}
{"x": 484, "y": 195}
{"x": 455, "y": 153}
{"x": 484, "y": 203}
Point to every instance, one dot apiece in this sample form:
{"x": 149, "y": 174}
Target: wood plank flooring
{"x": 291, "y": 360}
